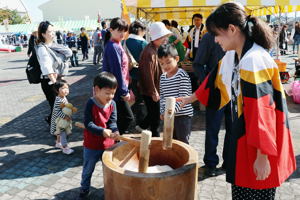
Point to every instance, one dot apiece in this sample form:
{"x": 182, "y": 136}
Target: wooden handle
{"x": 133, "y": 135}
{"x": 125, "y": 138}
{"x": 169, "y": 122}
{"x": 129, "y": 140}
{"x": 144, "y": 151}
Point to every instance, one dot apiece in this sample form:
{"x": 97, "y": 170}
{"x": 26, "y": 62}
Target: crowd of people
{"x": 286, "y": 37}
{"x": 244, "y": 87}
{"x": 14, "y": 39}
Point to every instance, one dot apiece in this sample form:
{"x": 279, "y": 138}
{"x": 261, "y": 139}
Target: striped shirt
{"x": 178, "y": 85}
{"x": 57, "y": 112}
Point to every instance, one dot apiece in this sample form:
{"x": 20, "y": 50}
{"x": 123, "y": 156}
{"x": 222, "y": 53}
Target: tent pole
{"x": 278, "y": 51}
{"x": 26, "y": 10}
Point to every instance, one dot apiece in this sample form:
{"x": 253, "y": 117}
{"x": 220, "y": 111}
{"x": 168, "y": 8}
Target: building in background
{"x": 68, "y": 15}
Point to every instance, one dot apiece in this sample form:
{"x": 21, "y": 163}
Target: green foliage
{"x": 12, "y": 16}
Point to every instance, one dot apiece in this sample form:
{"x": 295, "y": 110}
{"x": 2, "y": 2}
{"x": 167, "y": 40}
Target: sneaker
{"x": 58, "y": 145}
{"x": 211, "y": 171}
{"x": 223, "y": 167}
{"x": 138, "y": 129}
{"x": 67, "y": 150}
{"x": 84, "y": 193}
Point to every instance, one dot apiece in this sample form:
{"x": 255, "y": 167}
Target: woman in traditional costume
{"x": 261, "y": 155}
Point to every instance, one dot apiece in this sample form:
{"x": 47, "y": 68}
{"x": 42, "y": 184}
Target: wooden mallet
{"x": 120, "y": 137}
{"x": 169, "y": 122}
{"x": 144, "y": 151}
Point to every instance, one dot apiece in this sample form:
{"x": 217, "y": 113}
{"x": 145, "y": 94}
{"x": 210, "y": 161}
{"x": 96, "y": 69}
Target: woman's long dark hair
{"x": 136, "y": 26}
{"x": 43, "y": 26}
{"x": 119, "y": 24}
{"x": 297, "y": 27}
{"x": 232, "y": 13}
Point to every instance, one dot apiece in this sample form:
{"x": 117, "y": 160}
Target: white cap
{"x": 158, "y": 30}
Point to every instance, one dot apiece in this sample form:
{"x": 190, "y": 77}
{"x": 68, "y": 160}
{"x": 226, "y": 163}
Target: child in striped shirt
{"x": 61, "y": 88}
{"x": 175, "y": 82}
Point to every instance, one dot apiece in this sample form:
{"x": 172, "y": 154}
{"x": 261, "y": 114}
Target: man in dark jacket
{"x": 84, "y": 38}
{"x": 207, "y": 58}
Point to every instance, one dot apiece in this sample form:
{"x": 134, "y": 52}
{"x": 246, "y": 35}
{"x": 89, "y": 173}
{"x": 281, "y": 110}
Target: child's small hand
{"x": 107, "y": 133}
{"x": 115, "y": 135}
{"x": 155, "y": 97}
{"x": 161, "y": 117}
{"x": 127, "y": 97}
{"x": 67, "y": 118}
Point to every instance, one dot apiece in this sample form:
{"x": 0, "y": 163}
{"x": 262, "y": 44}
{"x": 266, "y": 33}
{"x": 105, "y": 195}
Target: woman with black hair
{"x": 51, "y": 57}
{"x": 115, "y": 61}
{"x": 261, "y": 156}
{"x": 135, "y": 44}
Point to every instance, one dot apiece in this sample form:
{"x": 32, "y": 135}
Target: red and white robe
{"x": 262, "y": 120}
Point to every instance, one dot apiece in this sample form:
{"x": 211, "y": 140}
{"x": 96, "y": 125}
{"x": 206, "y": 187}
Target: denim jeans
{"x": 296, "y": 42}
{"x": 74, "y": 59}
{"x": 63, "y": 139}
{"x": 182, "y": 128}
{"x": 97, "y": 54}
{"x": 213, "y": 125}
{"x": 90, "y": 159}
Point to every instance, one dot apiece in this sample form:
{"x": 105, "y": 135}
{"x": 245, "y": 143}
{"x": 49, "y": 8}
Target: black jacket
{"x": 208, "y": 56}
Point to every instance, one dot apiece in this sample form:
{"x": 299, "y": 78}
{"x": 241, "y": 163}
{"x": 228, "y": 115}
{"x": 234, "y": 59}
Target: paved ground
{"x": 31, "y": 168}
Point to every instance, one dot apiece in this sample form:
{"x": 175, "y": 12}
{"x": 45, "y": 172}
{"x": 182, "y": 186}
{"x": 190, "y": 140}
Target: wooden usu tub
{"x": 123, "y": 184}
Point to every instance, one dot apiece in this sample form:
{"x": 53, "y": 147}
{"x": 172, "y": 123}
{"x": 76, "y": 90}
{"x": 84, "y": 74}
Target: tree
{"x": 12, "y": 16}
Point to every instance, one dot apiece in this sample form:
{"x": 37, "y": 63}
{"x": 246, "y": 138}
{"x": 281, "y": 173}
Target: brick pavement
{"x": 31, "y": 168}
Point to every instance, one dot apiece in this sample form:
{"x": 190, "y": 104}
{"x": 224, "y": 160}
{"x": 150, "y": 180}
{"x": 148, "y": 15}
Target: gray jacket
{"x": 60, "y": 54}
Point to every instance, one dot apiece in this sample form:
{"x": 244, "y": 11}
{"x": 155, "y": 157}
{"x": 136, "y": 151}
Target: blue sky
{"x": 32, "y": 7}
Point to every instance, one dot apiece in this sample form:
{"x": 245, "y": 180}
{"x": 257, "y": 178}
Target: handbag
{"x": 131, "y": 61}
{"x": 74, "y": 49}
{"x": 33, "y": 70}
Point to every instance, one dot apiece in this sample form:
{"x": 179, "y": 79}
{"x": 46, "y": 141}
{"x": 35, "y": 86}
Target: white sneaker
{"x": 67, "y": 150}
{"x": 58, "y": 145}
{"x": 138, "y": 129}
